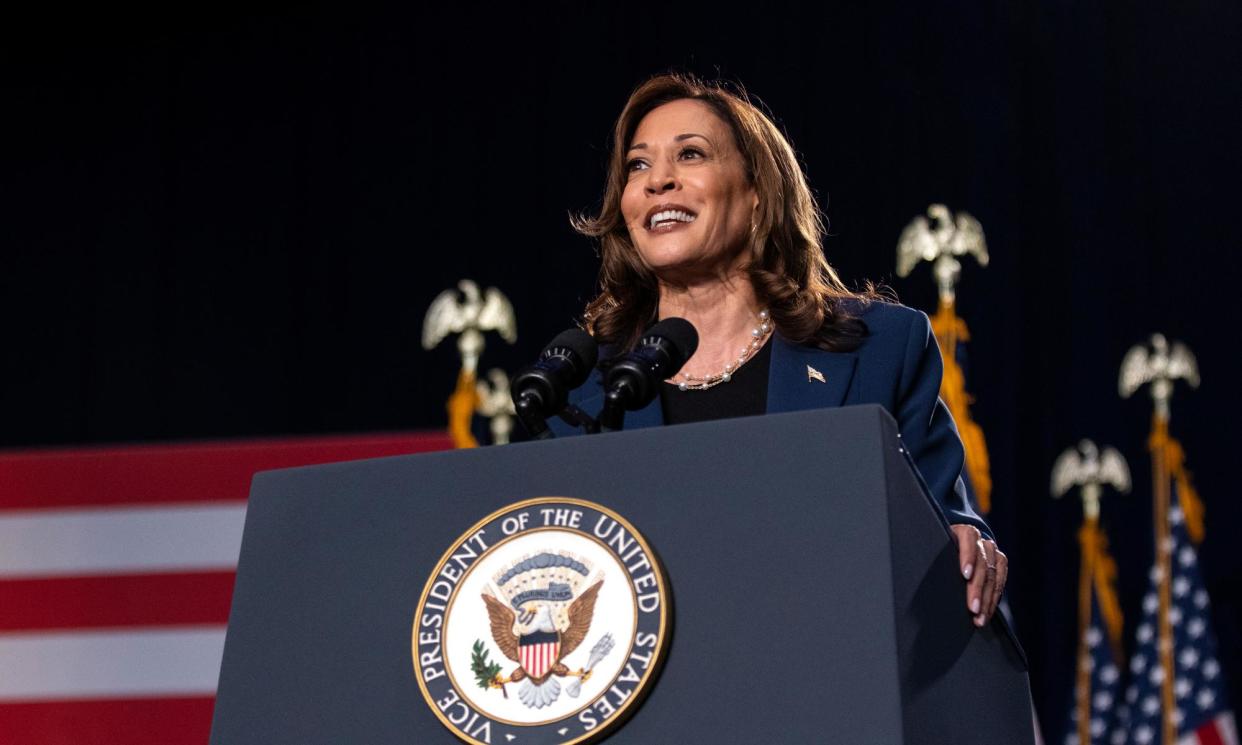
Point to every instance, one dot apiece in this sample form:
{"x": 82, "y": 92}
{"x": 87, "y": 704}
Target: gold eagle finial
{"x": 941, "y": 237}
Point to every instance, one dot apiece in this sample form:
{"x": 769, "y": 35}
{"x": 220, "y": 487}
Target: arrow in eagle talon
{"x": 598, "y": 652}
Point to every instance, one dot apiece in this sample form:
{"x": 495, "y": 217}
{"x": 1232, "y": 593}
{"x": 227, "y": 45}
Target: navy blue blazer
{"x": 898, "y": 366}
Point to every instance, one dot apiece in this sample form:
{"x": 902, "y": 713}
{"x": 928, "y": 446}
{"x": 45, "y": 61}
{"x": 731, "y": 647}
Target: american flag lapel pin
{"x": 813, "y": 374}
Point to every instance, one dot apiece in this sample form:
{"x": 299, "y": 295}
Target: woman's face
{"x": 687, "y": 202}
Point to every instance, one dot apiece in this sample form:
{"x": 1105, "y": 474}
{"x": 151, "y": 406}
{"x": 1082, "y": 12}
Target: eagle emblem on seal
{"x": 540, "y": 610}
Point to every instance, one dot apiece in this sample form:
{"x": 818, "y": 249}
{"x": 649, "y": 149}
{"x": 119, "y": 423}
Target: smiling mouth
{"x": 669, "y": 219}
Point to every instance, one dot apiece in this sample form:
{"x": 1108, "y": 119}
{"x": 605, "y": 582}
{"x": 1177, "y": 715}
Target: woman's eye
{"x": 635, "y": 165}
{"x": 691, "y": 153}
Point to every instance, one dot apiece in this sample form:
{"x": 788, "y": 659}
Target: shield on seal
{"x": 539, "y": 652}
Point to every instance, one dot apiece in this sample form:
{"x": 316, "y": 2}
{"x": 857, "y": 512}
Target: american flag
{"x": 116, "y": 575}
{"x": 1201, "y": 709}
{"x": 1103, "y": 684}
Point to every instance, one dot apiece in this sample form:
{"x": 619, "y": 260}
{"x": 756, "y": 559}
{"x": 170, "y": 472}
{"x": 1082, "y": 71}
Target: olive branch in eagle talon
{"x": 502, "y": 622}
{"x": 487, "y": 673}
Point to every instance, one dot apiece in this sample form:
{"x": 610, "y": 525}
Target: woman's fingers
{"x": 1001, "y": 562}
{"x": 983, "y": 609}
{"x": 986, "y": 576}
{"x": 998, "y": 573}
{"x": 985, "y": 569}
{"x": 973, "y": 564}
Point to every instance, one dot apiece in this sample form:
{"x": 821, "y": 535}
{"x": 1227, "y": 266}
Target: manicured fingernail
{"x": 967, "y": 570}
{"x": 979, "y": 620}
{"x": 974, "y": 605}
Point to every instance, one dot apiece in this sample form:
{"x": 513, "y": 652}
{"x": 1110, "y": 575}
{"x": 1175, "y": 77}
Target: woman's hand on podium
{"x": 985, "y": 568}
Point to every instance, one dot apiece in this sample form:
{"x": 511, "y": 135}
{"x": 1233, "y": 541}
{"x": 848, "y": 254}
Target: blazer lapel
{"x": 794, "y": 377}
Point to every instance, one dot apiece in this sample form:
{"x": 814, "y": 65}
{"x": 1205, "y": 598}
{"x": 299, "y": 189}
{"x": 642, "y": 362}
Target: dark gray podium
{"x": 816, "y": 597}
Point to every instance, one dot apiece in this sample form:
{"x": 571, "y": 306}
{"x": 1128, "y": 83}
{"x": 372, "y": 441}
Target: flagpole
{"x": 940, "y": 237}
{"x": 1082, "y": 687}
{"x": 1164, "y": 542}
{"x": 1090, "y": 467}
{"x": 1160, "y": 366}
{"x": 468, "y": 312}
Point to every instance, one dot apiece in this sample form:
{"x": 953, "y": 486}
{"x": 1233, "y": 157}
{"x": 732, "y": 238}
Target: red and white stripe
{"x": 538, "y": 659}
{"x": 116, "y": 575}
{"x": 1220, "y": 731}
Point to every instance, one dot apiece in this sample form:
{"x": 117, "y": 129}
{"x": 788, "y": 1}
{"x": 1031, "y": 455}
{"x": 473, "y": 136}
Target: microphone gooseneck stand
{"x": 542, "y": 389}
{"x": 634, "y": 381}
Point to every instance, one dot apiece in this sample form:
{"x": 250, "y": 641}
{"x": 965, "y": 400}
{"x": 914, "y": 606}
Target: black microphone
{"x": 542, "y": 390}
{"x": 634, "y": 380}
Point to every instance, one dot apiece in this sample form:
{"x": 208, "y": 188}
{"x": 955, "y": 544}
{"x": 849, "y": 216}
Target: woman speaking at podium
{"x": 707, "y": 216}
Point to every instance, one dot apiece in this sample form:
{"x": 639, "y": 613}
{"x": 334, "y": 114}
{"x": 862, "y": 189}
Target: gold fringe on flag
{"x": 1099, "y": 572}
{"x": 1173, "y": 457}
{"x": 461, "y": 406}
{"x": 1100, "y": 569}
{"x": 1158, "y": 444}
{"x": 949, "y": 330}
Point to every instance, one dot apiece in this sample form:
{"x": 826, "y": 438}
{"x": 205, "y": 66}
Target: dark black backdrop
{"x": 223, "y": 221}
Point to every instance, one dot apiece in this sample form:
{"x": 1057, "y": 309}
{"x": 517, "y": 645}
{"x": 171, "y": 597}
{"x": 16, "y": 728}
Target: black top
{"x": 745, "y": 395}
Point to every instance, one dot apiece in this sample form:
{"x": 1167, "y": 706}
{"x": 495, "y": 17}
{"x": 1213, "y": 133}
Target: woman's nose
{"x": 661, "y": 179}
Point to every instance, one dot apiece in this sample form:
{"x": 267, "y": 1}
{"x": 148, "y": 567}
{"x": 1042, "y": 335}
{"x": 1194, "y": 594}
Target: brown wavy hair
{"x": 787, "y": 268}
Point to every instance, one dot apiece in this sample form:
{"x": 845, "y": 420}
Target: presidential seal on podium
{"x": 545, "y": 622}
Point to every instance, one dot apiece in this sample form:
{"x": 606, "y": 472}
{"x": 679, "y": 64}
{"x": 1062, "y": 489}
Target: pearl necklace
{"x": 758, "y": 335}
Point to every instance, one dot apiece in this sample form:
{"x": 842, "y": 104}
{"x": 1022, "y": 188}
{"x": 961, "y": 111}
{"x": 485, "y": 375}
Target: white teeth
{"x": 670, "y": 215}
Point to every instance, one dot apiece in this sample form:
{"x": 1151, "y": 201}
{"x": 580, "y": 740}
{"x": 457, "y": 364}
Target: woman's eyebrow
{"x": 678, "y": 138}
